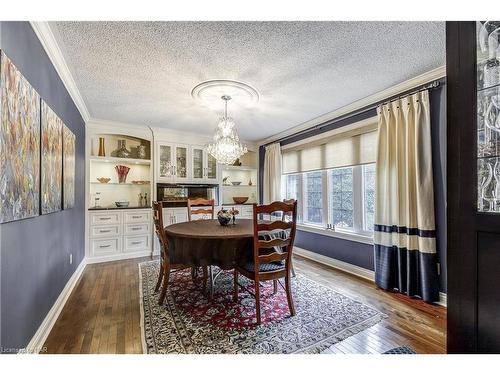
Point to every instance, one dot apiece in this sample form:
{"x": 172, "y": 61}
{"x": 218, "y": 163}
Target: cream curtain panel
{"x": 404, "y": 233}
{"x": 341, "y": 151}
{"x": 272, "y": 173}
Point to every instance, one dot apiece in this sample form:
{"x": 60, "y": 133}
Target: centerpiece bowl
{"x": 224, "y": 217}
{"x": 240, "y": 200}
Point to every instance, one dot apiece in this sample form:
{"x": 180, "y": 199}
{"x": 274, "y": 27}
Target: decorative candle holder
{"x": 122, "y": 171}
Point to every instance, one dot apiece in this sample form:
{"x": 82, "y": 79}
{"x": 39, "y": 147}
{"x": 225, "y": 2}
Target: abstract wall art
{"x": 51, "y": 170}
{"x": 19, "y": 145}
{"x": 69, "y": 141}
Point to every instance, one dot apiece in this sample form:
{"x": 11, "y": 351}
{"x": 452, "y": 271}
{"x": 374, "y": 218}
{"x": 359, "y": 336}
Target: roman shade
{"x": 355, "y": 147}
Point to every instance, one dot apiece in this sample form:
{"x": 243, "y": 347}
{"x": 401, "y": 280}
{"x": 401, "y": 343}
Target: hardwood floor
{"x": 102, "y": 314}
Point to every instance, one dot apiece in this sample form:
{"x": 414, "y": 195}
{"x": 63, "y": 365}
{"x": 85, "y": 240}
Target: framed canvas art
{"x": 19, "y": 145}
{"x": 51, "y": 171}
{"x": 69, "y": 141}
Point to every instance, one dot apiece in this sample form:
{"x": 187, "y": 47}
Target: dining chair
{"x": 286, "y": 215}
{"x": 207, "y": 213}
{"x": 166, "y": 266}
{"x": 271, "y": 257}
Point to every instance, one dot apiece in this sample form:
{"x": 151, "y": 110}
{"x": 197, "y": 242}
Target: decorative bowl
{"x": 224, "y": 217}
{"x": 122, "y": 204}
{"x": 236, "y": 183}
{"x": 104, "y": 180}
{"x": 240, "y": 200}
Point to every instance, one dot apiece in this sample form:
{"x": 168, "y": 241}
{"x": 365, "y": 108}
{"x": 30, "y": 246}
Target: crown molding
{"x": 49, "y": 43}
{"x": 407, "y": 85}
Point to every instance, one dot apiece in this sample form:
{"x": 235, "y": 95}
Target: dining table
{"x": 207, "y": 243}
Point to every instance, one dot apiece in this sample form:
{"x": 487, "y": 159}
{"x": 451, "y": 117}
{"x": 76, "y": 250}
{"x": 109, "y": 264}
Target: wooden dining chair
{"x": 271, "y": 258}
{"x": 286, "y": 216}
{"x": 206, "y": 208}
{"x": 166, "y": 266}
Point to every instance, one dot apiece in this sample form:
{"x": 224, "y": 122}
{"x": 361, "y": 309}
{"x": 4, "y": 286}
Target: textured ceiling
{"x": 143, "y": 72}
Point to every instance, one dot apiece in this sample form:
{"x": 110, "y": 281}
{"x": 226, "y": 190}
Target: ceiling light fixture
{"x": 226, "y": 146}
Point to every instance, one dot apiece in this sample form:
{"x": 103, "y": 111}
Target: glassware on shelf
{"x": 141, "y": 152}
{"x": 97, "y": 198}
{"x": 485, "y": 177}
{"x": 122, "y": 151}
{"x": 122, "y": 171}
{"x": 488, "y": 116}
{"x": 102, "y": 149}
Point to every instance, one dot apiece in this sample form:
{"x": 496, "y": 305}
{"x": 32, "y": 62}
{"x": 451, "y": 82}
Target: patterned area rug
{"x": 189, "y": 322}
{"x": 401, "y": 350}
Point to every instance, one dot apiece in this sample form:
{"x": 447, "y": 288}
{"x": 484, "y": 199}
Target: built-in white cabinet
{"x": 172, "y": 162}
{"x": 185, "y": 163}
{"x": 119, "y": 232}
{"x": 174, "y": 215}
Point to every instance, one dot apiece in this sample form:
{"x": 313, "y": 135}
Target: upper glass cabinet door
{"x": 488, "y": 116}
{"x": 198, "y": 163}
{"x": 166, "y": 167}
{"x": 181, "y": 161}
{"x": 212, "y": 167}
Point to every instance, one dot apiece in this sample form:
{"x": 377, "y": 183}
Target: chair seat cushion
{"x": 265, "y": 267}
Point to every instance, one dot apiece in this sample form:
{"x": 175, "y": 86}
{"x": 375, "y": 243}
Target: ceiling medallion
{"x": 226, "y": 146}
{"x": 209, "y": 92}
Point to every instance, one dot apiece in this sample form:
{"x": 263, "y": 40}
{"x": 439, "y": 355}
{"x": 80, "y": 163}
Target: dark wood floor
{"x": 102, "y": 314}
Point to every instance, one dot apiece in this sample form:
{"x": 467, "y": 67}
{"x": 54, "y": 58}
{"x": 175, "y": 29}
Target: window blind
{"x": 358, "y": 146}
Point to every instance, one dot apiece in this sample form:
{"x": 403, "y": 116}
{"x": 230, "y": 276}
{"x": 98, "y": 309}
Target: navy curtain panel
{"x": 404, "y": 230}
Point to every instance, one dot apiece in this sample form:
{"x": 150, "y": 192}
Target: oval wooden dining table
{"x": 207, "y": 243}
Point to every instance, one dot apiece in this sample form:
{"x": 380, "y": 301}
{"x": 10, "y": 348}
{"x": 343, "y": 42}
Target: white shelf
{"x": 238, "y": 186}
{"x": 111, "y": 159}
{"x": 237, "y": 168}
{"x": 117, "y": 183}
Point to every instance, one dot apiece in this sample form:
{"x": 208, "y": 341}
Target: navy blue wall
{"x": 361, "y": 254}
{"x": 34, "y": 253}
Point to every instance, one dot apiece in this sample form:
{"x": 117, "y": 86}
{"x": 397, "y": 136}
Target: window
{"x": 368, "y": 196}
{"x": 342, "y": 199}
{"x": 313, "y": 199}
{"x": 341, "y": 194}
{"x": 291, "y": 186}
{"x": 332, "y": 176}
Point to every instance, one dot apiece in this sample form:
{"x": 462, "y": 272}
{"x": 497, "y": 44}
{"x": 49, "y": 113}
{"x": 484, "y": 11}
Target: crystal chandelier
{"x": 226, "y": 146}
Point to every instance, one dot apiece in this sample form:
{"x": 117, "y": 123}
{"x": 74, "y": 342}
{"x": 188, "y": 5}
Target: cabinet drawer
{"x": 142, "y": 228}
{"x": 105, "y": 219}
{"x": 105, "y": 246}
{"x": 138, "y": 217}
{"x": 105, "y": 231}
{"x": 136, "y": 243}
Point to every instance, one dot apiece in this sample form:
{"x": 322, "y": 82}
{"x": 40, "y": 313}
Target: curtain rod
{"x": 428, "y": 86}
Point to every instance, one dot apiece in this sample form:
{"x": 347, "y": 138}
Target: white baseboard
{"x": 349, "y": 268}
{"x": 443, "y": 299}
{"x": 335, "y": 263}
{"x": 38, "y": 340}
{"x": 121, "y": 256}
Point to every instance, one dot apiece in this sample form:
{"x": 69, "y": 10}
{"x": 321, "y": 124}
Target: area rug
{"x": 189, "y": 322}
{"x": 401, "y": 350}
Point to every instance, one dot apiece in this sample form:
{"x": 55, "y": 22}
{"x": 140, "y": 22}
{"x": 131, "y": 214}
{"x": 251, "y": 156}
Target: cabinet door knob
{"x": 104, "y": 246}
